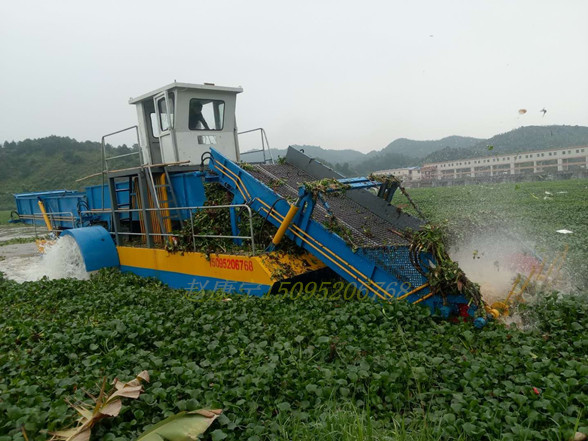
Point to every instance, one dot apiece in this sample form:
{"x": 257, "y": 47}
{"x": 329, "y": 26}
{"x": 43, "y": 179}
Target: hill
{"x": 340, "y": 160}
{"x": 331, "y": 156}
{"x": 518, "y": 140}
{"x": 407, "y": 152}
{"x": 420, "y": 149}
{"x": 52, "y": 163}
{"x": 401, "y": 152}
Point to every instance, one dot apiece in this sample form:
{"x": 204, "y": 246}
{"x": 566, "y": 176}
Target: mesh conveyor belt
{"x": 396, "y": 261}
{"x": 368, "y": 229}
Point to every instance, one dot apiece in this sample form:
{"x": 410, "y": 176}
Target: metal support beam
{"x": 115, "y": 214}
{"x": 143, "y": 189}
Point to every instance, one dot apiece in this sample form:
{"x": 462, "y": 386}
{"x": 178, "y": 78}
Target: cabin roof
{"x": 175, "y": 85}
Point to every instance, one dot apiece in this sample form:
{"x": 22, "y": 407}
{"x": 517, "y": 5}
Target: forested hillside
{"x": 51, "y": 163}
{"x": 518, "y": 140}
{"x": 420, "y": 149}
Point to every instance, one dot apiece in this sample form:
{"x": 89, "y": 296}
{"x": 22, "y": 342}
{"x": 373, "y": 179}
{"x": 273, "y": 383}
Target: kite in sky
{"x": 544, "y": 111}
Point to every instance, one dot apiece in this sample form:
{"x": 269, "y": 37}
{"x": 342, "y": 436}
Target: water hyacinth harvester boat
{"x": 195, "y": 216}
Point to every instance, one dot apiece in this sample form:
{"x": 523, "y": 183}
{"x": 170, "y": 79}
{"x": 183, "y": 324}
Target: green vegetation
{"x": 326, "y": 185}
{"x": 287, "y": 369}
{"x": 529, "y": 212}
{"x": 445, "y": 276}
{"x": 4, "y": 216}
{"x": 420, "y": 149}
{"x": 217, "y": 222}
{"x": 332, "y": 224}
{"x": 17, "y": 240}
{"x": 52, "y": 163}
{"x": 210, "y": 222}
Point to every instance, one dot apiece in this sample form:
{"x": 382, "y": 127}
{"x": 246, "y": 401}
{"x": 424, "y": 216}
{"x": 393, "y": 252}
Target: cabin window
{"x": 164, "y": 124}
{"x": 154, "y": 125}
{"x": 206, "y": 114}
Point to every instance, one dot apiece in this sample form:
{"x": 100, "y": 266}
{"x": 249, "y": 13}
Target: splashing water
{"x": 494, "y": 262}
{"x": 61, "y": 260}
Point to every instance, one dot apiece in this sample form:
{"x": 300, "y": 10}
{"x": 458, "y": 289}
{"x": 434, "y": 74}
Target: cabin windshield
{"x": 206, "y": 114}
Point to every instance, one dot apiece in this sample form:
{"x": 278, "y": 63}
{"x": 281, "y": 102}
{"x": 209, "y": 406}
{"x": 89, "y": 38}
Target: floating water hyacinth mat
{"x": 274, "y": 365}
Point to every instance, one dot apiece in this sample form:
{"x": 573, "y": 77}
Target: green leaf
{"x": 469, "y": 428}
{"x": 284, "y": 406}
{"x": 218, "y": 435}
{"x": 449, "y": 418}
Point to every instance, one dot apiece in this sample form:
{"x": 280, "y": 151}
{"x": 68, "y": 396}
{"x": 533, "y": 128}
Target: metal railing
{"x": 105, "y": 159}
{"x": 264, "y": 142}
{"x": 192, "y": 210}
{"x": 54, "y": 217}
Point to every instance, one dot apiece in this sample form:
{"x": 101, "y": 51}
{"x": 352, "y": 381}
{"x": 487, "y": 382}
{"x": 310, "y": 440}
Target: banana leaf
{"x": 182, "y": 426}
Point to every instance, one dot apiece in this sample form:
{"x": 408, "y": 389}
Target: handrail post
{"x": 192, "y": 229}
{"x": 251, "y": 228}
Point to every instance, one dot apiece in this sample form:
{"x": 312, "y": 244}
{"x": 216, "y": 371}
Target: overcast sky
{"x": 340, "y": 74}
